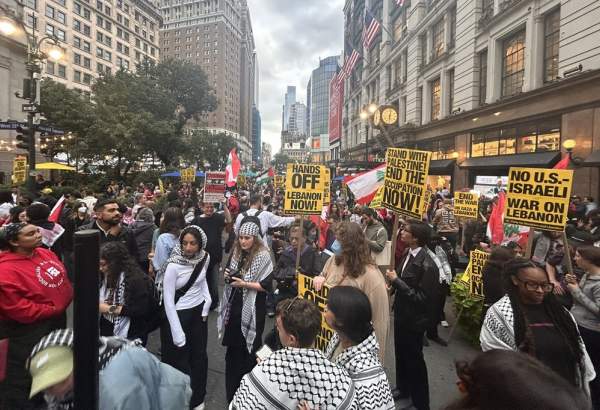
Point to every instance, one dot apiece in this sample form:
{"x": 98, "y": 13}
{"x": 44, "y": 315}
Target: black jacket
{"x": 417, "y": 288}
{"x": 143, "y": 232}
{"x": 285, "y": 270}
{"x": 125, "y": 236}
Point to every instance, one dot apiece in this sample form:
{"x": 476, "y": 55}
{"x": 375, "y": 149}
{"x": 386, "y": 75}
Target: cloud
{"x": 290, "y": 37}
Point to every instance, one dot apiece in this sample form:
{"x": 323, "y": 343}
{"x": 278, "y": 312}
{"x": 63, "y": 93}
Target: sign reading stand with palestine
{"x": 214, "y": 186}
{"x": 308, "y": 292}
{"x": 405, "y": 181}
{"x": 538, "y": 198}
{"x": 304, "y": 189}
{"x": 466, "y": 205}
{"x": 188, "y": 175}
{"x": 474, "y": 273}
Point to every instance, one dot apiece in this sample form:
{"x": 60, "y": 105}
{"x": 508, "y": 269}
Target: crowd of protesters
{"x": 165, "y": 254}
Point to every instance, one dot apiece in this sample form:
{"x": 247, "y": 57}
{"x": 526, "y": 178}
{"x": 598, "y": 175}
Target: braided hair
{"x": 559, "y": 316}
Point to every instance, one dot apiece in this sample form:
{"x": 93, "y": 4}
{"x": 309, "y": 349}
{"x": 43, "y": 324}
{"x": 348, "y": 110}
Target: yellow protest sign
{"x": 304, "y": 189}
{"x": 326, "y": 187}
{"x": 376, "y": 202}
{"x": 466, "y": 204}
{"x": 161, "y": 186}
{"x": 188, "y": 174}
{"x": 241, "y": 180}
{"x": 308, "y": 292}
{"x": 19, "y": 175}
{"x": 405, "y": 181}
{"x": 474, "y": 273}
{"x": 538, "y": 198}
{"x": 426, "y": 200}
{"x": 279, "y": 181}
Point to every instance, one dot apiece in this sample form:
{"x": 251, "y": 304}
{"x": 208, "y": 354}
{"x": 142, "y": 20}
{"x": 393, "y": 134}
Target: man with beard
{"x": 108, "y": 222}
{"x": 212, "y": 224}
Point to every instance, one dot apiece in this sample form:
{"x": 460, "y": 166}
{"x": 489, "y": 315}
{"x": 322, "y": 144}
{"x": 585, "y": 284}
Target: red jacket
{"x": 33, "y": 288}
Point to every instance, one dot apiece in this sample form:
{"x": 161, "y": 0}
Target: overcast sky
{"x": 290, "y": 36}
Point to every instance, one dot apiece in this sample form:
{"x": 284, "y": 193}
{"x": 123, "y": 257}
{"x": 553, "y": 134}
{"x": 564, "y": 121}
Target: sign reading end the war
{"x": 405, "y": 181}
{"x": 304, "y": 189}
{"x": 466, "y": 205}
{"x": 538, "y": 198}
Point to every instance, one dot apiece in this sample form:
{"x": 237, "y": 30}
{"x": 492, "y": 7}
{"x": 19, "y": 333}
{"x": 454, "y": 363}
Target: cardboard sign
{"x": 466, "y": 205}
{"x": 538, "y": 198}
{"x": 306, "y": 291}
{"x": 474, "y": 273}
{"x": 188, "y": 175}
{"x": 19, "y": 175}
{"x": 304, "y": 189}
{"x": 327, "y": 187}
{"x": 426, "y": 200}
{"x": 405, "y": 181}
{"x": 279, "y": 181}
{"x": 214, "y": 186}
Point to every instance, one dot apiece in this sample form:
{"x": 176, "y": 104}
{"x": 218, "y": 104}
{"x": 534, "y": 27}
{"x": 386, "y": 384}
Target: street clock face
{"x": 377, "y": 118}
{"x": 389, "y": 116}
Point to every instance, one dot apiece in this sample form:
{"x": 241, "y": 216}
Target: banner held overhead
{"x": 304, "y": 189}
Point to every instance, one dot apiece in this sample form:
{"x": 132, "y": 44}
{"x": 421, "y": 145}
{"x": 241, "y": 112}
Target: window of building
{"x": 77, "y": 76}
{"x": 62, "y": 71}
{"x": 487, "y": 7}
{"x": 77, "y": 58}
{"x": 551, "y": 39}
{"x": 87, "y": 78}
{"x": 419, "y": 114}
{"x": 482, "y": 76}
{"x": 49, "y": 29}
{"x": 443, "y": 148}
{"x": 513, "y": 64}
{"x": 436, "y": 93}
{"x": 61, "y": 2}
{"x": 50, "y": 67}
{"x": 452, "y": 16}
{"x": 403, "y": 110}
{"x": 438, "y": 39}
{"x": 87, "y": 63}
{"x": 31, "y": 21}
{"x": 450, "y": 91}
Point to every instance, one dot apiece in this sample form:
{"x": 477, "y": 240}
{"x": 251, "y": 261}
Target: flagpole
{"x": 380, "y": 22}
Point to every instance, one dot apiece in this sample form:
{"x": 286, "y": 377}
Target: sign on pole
{"x": 326, "y": 187}
{"x": 474, "y": 273}
{"x": 405, "y": 181}
{"x": 214, "y": 186}
{"x": 19, "y": 175}
{"x": 466, "y": 205}
{"x": 304, "y": 189}
{"x": 279, "y": 181}
{"x": 538, "y": 198}
{"x": 188, "y": 175}
{"x": 308, "y": 292}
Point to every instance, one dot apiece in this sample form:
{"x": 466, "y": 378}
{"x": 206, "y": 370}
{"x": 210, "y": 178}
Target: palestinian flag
{"x": 232, "y": 169}
{"x": 365, "y": 185}
{"x": 266, "y": 176}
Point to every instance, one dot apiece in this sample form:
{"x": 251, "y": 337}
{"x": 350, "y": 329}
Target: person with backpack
{"x": 267, "y": 219}
{"x": 186, "y": 299}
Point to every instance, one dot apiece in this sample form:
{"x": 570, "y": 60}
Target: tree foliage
{"x": 280, "y": 161}
{"x": 205, "y": 147}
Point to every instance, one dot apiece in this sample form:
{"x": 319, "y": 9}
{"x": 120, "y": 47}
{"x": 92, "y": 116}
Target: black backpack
{"x": 252, "y": 218}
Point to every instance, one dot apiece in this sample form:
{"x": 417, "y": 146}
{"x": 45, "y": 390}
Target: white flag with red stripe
{"x": 365, "y": 185}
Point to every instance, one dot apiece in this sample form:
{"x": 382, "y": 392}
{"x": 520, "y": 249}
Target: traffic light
{"x": 23, "y": 137}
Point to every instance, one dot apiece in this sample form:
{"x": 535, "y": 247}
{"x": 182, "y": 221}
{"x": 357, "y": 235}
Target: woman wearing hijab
{"x": 248, "y": 276}
{"x": 187, "y": 302}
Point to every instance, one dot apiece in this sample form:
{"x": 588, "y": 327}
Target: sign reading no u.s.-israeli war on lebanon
{"x": 474, "y": 273}
{"x": 466, "y": 205}
{"x": 538, "y": 198}
{"x": 304, "y": 189}
{"x": 405, "y": 181}
{"x": 306, "y": 291}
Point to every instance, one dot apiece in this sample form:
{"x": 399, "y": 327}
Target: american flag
{"x": 370, "y": 30}
{"x": 400, "y": 2}
{"x": 349, "y": 64}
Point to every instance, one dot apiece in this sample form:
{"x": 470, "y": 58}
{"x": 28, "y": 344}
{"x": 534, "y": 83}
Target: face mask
{"x": 336, "y": 248}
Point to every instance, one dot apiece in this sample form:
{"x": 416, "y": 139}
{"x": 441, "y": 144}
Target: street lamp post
{"x": 366, "y": 115}
{"x": 10, "y": 24}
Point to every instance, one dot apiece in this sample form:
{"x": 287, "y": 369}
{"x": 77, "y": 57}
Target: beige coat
{"x": 373, "y": 285}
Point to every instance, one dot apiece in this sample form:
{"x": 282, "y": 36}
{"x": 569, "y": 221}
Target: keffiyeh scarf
{"x": 261, "y": 267}
{"x": 291, "y": 375}
{"x": 363, "y": 365}
{"x": 116, "y": 297}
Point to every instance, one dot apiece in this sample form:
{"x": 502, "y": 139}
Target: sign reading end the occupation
{"x": 538, "y": 198}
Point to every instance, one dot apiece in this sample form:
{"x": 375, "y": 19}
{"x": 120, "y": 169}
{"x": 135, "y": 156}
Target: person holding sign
{"x": 530, "y": 319}
{"x": 416, "y": 288}
{"x": 248, "y": 276}
{"x": 352, "y": 265}
{"x": 348, "y": 312}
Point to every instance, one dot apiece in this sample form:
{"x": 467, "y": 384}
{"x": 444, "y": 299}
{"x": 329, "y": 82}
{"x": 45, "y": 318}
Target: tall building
{"x": 98, "y": 37}
{"x": 484, "y": 85}
{"x": 217, "y": 35}
{"x": 289, "y": 99}
{"x": 297, "y": 119}
{"x": 317, "y": 95}
{"x": 256, "y": 137}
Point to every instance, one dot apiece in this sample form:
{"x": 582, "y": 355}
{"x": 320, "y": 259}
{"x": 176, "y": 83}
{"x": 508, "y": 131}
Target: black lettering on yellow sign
{"x": 538, "y": 198}
{"x": 405, "y": 181}
{"x": 466, "y": 205}
{"x": 308, "y": 292}
{"x": 304, "y": 189}
{"x": 476, "y": 264}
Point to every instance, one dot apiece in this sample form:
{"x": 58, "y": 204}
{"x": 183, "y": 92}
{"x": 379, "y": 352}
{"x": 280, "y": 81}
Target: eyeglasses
{"x": 533, "y": 286}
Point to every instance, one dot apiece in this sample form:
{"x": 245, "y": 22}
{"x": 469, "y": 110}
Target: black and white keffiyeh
{"x": 363, "y": 365}
{"x": 261, "y": 267}
{"x": 291, "y": 375}
{"x": 116, "y": 297}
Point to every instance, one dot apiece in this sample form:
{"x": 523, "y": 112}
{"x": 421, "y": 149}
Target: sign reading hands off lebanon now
{"x": 538, "y": 198}
{"x": 405, "y": 181}
{"x": 304, "y": 189}
{"x": 308, "y": 292}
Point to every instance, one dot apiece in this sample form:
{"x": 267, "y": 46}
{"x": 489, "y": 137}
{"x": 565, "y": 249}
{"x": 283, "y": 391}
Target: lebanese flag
{"x": 232, "y": 169}
{"x": 365, "y": 185}
{"x": 563, "y": 163}
{"x": 57, "y": 210}
{"x": 495, "y": 227}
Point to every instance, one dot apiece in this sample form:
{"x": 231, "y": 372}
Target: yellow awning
{"x": 53, "y": 165}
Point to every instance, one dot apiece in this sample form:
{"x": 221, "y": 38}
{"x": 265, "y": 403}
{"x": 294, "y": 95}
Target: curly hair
{"x": 355, "y": 251}
{"x": 117, "y": 260}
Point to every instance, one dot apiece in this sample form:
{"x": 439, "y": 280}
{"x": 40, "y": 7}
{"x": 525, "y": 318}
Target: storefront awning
{"x": 441, "y": 166}
{"x": 593, "y": 160}
{"x": 535, "y": 160}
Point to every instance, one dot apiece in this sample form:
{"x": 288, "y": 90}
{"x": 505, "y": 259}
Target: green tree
{"x": 204, "y": 147}
{"x": 280, "y": 161}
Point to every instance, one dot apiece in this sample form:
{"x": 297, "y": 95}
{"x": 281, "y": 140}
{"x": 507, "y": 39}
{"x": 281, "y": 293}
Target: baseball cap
{"x": 46, "y": 191}
{"x": 49, "y": 367}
